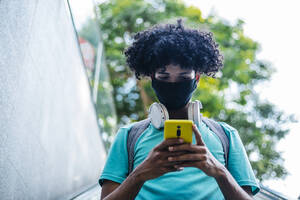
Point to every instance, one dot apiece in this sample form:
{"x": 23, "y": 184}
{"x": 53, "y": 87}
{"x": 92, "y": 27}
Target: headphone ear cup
{"x": 197, "y": 115}
{"x": 158, "y": 114}
{"x": 190, "y": 111}
{"x": 199, "y": 104}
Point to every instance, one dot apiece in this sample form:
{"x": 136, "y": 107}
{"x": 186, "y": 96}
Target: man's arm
{"x": 248, "y": 190}
{"x": 127, "y": 190}
{"x": 230, "y": 188}
{"x": 108, "y": 187}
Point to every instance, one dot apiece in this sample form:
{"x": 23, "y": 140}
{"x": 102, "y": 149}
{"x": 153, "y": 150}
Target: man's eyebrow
{"x": 183, "y": 73}
{"x": 163, "y": 72}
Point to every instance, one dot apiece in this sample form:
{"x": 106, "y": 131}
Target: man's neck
{"x": 181, "y": 113}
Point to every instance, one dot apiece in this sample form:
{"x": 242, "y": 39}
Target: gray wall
{"x": 50, "y": 146}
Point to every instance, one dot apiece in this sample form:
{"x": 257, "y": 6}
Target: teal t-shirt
{"x": 190, "y": 183}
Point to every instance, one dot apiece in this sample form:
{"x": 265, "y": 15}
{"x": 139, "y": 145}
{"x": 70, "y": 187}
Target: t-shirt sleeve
{"x": 238, "y": 163}
{"x": 116, "y": 166}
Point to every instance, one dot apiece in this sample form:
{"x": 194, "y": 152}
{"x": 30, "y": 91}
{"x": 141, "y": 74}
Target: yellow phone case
{"x": 179, "y": 129}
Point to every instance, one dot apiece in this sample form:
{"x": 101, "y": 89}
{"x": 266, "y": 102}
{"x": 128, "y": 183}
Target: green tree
{"x": 231, "y": 98}
{"x": 104, "y": 104}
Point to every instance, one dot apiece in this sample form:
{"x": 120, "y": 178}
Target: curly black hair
{"x": 162, "y": 45}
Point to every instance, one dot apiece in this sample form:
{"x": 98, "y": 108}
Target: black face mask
{"x": 174, "y": 95}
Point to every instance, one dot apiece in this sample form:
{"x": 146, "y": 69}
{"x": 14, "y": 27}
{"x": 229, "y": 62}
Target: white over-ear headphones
{"x": 158, "y": 113}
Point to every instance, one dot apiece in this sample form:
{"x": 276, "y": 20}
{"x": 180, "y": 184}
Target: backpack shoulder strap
{"x": 134, "y": 133}
{"x": 219, "y": 131}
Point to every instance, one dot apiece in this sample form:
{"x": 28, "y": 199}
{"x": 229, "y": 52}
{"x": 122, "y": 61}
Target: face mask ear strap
{"x": 152, "y": 76}
{"x": 197, "y": 77}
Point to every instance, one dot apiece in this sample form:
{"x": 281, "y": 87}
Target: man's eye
{"x": 163, "y": 77}
{"x": 185, "y": 78}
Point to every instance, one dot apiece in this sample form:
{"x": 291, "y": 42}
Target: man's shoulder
{"x": 227, "y": 128}
{"x": 125, "y": 129}
{"x": 219, "y": 126}
{"x": 232, "y": 133}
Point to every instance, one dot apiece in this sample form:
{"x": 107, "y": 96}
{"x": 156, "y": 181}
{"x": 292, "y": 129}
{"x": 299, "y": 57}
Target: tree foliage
{"x": 230, "y": 97}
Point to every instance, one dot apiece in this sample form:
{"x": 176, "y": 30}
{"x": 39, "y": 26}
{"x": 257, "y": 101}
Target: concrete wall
{"x": 50, "y": 146}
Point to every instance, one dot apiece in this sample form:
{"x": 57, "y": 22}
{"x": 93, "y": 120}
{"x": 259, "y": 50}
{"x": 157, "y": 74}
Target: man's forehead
{"x": 175, "y": 68}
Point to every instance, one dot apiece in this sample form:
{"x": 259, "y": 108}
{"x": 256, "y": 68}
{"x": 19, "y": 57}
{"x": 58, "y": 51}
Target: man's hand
{"x": 199, "y": 156}
{"x": 157, "y": 163}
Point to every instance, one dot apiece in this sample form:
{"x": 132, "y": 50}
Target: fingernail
{"x": 179, "y": 168}
{"x": 171, "y": 148}
{"x": 170, "y": 158}
{"x": 181, "y": 140}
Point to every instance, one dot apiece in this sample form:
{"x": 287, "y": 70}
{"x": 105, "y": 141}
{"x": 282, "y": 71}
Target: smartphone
{"x": 179, "y": 129}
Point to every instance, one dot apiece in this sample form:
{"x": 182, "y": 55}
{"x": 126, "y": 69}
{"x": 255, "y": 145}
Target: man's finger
{"x": 188, "y": 148}
{"x": 168, "y": 142}
{"x": 188, "y": 157}
{"x": 199, "y": 140}
{"x": 188, "y": 164}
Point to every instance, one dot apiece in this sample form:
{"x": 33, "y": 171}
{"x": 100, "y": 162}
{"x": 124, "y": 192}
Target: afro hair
{"x": 162, "y": 45}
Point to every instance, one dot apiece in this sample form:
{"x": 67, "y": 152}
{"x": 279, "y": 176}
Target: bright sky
{"x": 275, "y": 25}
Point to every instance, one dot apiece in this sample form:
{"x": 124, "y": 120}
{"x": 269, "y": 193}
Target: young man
{"x": 175, "y": 57}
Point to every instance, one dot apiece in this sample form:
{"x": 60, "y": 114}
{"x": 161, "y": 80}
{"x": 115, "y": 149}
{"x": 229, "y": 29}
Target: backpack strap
{"x": 219, "y": 131}
{"x": 134, "y": 133}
